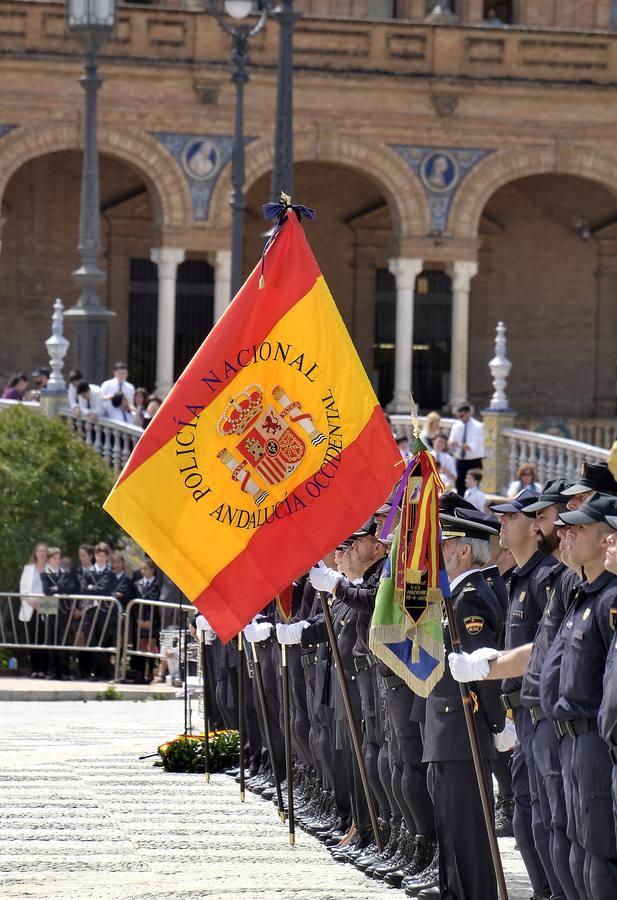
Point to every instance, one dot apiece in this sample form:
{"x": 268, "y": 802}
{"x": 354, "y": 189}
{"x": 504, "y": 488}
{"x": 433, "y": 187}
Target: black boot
{"x": 395, "y": 876}
{"x": 423, "y": 880}
{"x": 504, "y": 812}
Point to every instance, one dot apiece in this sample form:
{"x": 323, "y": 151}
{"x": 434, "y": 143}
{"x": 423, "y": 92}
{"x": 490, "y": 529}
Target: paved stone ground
{"x": 81, "y": 817}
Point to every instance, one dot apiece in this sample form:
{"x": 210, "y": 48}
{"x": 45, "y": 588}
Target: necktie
{"x": 88, "y": 403}
{"x": 124, "y": 415}
{"x": 463, "y": 451}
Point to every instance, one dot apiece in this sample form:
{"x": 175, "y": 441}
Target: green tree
{"x": 52, "y": 487}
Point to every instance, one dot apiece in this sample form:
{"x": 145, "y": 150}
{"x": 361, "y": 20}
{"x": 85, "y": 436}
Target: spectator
{"x": 85, "y": 554}
{"x": 119, "y": 384}
{"x": 525, "y": 480}
{"x": 473, "y": 494}
{"x": 100, "y": 619}
{"x": 491, "y": 17}
{"x": 75, "y": 377}
{"x": 123, "y": 588}
{"x": 145, "y": 620}
{"x": 140, "y": 402}
{"x": 118, "y": 409}
{"x": 432, "y": 425}
{"x": 30, "y": 583}
{"x": 40, "y": 377}
{"x": 447, "y": 466}
{"x": 466, "y": 445}
{"x": 403, "y": 445}
{"x": 59, "y": 580}
{"x": 154, "y": 404}
{"x": 90, "y": 401}
{"x": 16, "y": 388}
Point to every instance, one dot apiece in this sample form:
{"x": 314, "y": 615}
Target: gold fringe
{"x": 413, "y": 576}
{"x": 434, "y": 595}
{"x": 421, "y": 688}
{"x": 262, "y": 283}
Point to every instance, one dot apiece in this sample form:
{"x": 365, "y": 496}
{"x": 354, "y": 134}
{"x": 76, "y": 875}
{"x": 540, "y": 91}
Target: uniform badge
{"x": 612, "y": 617}
{"x": 522, "y": 596}
{"x": 474, "y": 624}
{"x": 586, "y": 614}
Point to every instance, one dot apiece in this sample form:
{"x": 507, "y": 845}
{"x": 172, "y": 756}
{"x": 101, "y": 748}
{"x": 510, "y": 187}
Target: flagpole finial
{"x": 285, "y": 199}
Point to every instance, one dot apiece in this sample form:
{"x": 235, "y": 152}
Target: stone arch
{"x": 509, "y": 165}
{"x": 401, "y": 188}
{"x": 168, "y": 188}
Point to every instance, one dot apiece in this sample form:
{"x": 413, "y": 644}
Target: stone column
{"x": 222, "y": 282}
{"x": 462, "y": 272}
{"x": 405, "y": 272}
{"x": 167, "y": 259}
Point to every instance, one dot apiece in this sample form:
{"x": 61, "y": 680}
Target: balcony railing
{"x": 166, "y": 35}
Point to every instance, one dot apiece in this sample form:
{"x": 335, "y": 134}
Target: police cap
{"x": 455, "y": 527}
{"x": 596, "y": 509}
{"x": 522, "y": 500}
{"x": 594, "y": 477}
{"x": 552, "y": 492}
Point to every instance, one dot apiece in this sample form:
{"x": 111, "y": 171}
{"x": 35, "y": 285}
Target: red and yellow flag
{"x": 270, "y": 449}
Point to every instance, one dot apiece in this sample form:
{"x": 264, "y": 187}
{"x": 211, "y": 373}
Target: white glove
{"x": 324, "y": 579}
{"x": 506, "y": 739}
{"x": 472, "y": 666}
{"x": 203, "y": 626}
{"x": 257, "y": 632}
{"x": 290, "y": 634}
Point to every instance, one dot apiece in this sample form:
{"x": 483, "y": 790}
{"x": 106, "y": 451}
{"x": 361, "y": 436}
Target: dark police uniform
{"x": 527, "y": 603}
{"x": 465, "y": 870}
{"x": 607, "y": 717}
{"x": 586, "y": 634}
{"x": 559, "y": 585}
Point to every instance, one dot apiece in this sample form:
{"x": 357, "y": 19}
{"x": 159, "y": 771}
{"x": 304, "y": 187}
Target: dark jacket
{"x": 479, "y": 619}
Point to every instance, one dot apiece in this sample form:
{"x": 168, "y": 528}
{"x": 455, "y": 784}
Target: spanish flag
{"x": 270, "y": 449}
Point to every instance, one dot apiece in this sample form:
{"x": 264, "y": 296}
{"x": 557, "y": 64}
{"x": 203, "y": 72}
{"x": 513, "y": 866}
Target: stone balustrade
{"x": 552, "y": 457}
{"x": 170, "y": 35}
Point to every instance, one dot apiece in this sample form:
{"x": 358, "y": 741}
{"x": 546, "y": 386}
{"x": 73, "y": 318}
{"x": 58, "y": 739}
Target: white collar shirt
{"x": 473, "y": 435}
{"x": 113, "y": 386}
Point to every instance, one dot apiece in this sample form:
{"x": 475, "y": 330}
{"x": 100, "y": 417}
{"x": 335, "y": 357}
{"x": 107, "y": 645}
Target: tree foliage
{"x": 52, "y": 487}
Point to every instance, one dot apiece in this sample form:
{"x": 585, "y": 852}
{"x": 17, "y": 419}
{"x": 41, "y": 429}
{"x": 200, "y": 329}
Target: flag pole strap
{"x": 350, "y": 720}
{"x": 241, "y": 736}
{"x": 287, "y": 731}
{"x": 204, "y": 673}
{"x": 268, "y": 733}
{"x": 477, "y": 758}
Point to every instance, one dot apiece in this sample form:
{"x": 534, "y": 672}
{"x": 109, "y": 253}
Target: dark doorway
{"x": 194, "y": 316}
{"x": 431, "y": 338}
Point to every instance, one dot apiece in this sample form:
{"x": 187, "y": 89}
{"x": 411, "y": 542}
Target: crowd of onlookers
{"x": 76, "y": 611}
{"x": 459, "y": 454}
{"x": 116, "y": 399}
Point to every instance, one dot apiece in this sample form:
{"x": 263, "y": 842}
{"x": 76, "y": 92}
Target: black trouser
{"x": 408, "y": 771}
{"x": 502, "y": 770}
{"x": 464, "y": 873}
{"x": 462, "y": 467}
{"x": 366, "y": 680}
{"x": 270, "y": 677}
{"x": 299, "y": 713}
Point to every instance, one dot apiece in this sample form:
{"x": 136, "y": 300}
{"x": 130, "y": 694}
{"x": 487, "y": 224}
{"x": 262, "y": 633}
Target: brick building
{"x": 463, "y": 173}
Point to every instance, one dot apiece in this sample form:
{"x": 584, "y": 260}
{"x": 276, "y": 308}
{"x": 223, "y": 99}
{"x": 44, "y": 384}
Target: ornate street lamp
{"x": 228, "y": 14}
{"x": 283, "y": 168}
{"x": 91, "y": 22}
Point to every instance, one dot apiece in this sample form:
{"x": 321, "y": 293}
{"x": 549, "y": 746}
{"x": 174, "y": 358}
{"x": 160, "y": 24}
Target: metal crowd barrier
{"x": 71, "y": 623}
{"x": 146, "y": 624}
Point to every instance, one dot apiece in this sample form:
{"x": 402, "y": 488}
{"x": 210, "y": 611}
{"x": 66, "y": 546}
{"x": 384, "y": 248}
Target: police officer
{"x": 607, "y": 717}
{"x": 594, "y": 478}
{"x": 463, "y": 871}
{"x": 527, "y": 603}
{"x": 583, "y": 642}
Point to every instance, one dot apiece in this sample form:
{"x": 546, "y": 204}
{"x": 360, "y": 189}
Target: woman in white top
{"x": 525, "y": 479}
{"x": 432, "y": 426}
{"x": 30, "y": 583}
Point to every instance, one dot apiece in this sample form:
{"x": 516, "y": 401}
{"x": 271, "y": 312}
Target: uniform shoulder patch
{"x": 473, "y": 624}
{"x": 469, "y": 587}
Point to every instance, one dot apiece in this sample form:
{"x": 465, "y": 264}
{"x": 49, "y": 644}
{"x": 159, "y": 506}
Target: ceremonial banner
{"x": 270, "y": 449}
{"x": 406, "y": 625}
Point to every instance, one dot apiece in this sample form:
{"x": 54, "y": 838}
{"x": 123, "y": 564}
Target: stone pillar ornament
{"x": 462, "y": 271}
{"x": 222, "y": 283}
{"x": 167, "y": 259}
{"x": 405, "y": 272}
{"x": 57, "y": 345}
{"x": 500, "y": 367}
